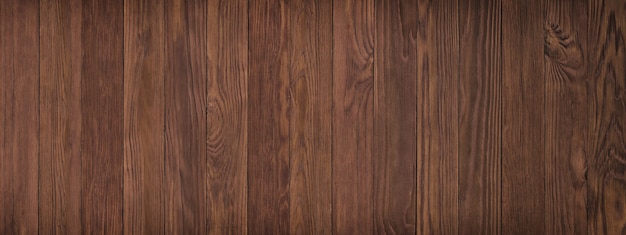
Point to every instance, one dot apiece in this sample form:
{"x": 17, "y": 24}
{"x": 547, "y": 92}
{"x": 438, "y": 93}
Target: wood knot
{"x": 560, "y": 47}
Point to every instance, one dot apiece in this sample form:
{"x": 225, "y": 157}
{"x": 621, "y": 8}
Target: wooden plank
{"x": 395, "y": 78}
{"x": 606, "y": 143}
{"x": 227, "y": 51}
{"x": 310, "y": 99}
{"x": 523, "y": 114}
{"x": 268, "y": 130}
{"x": 60, "y": 122}
{"x": 102, "y": 116}
{"x": 480, "y": 113}
{"x": 437, "y": 117}
{"x": 567, "y": 117}
{"x": 186, "y": 117}
{"x": 144, "y": 112}
{"x": 353, "y": 116}
{"x": 19, "y": 151}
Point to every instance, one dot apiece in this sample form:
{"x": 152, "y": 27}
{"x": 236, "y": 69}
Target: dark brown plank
{"x": 606, "y": 151}
{"x": 268, "y": 143}
{"x": 102, "y": 111}
{"x": 567, "y": 117}
{"x": 394, "y": 139}
{"x": 60, "y": 122}
{"x": 19, "y": 87}
{"x": 523, "y": 146}
{"x": 437, "y": 117}
{"x": 353, "y": 116}
{"x": 310, "y": 99}
{"x": 227, "y": 51}
{"x": 144, "y": 111}
{"x": 186, "y": 117}
{"x": 480, "y": 117}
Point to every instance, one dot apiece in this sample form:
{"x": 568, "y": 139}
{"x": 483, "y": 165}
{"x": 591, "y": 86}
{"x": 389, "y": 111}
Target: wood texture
{"x": 60, "y": 171}
{"x": 480, "y": 117}
{"x": 394, "y": 139}
{"x": 353, "y": 116}
{"x": 186, "y": 168}
{"x": 268, "y": 122}
{"x": 567, "y": 117}
{"x": 144, "y": 109}
{"x": 437, "y": 117}
{"x": 312, "y": 117}
{"x": 522, "y": 106}
{"x": 227, "y": 116}
{"x": 102, "y": 92}
{"x": 605, "y": 152}
{"x": 19, "y": 134}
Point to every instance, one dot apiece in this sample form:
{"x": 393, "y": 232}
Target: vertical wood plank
{"x": 102, "y": 110}
{"x": 185, "y": 117}
{"x": 395, "y": 78}
{"x": 19, "y": 149}
{"x": 437, "y": 117}
{"x": 60, "y": 122}
{"x": 6, "y": 86}
{"x": 523, "y": 114}
{"x": 480, "y": 113}
{"x": 567, "y": 116}
{"x": 310, "y": 98}
{"x": 227, "y": 51}
{"x": 144, "y": 117}
{"x": 268, "y": 143}
{"x": 353, "y": 116}
{"x": 606, "y": 151}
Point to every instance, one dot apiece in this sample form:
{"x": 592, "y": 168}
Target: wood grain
{"x": 567, "y": 117}
{"x": 144, "y": 113}
{"x": 227, "y": 116}
{"x": 310, "y": 120}
{"x": 186, "y": 117}
{"x": 60, "y": 169}
{"x": 353, "y": 116}
{"x": 606, "y": 151}
{"x": 480, "y": 119}
{"x": 268, "y": 120}
{"x": 102, "y": 111}
{"x": 19, "y": 88}
{"x": 394, "y": 149}
{"x": 437, "y": 117}
{"x": 523, "y": 113}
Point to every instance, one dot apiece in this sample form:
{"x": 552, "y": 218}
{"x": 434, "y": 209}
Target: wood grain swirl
{"x": 227, "y": 116}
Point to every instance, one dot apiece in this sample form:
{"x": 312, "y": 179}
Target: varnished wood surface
{"x": 312, "y": 117}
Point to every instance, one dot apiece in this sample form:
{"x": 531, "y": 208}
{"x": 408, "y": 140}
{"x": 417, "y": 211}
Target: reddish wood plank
{"x": 227, "y": 120}
{"x": 102, "y": 112}
{"x": 437, "y": 117}
{"x": 394, "y": 138}
{"x": 19, "y": 87}
{"x": 268, "y": 130}
{"x": 60, "y": 123}
{"x": 186, "y": 117}
{"x": 310, "y": 93}
{"x": 523, "y": 114}
{"x": 144, "y": 109}
{"x": 353, "y": 114}
{"x": 480, "y": 117}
